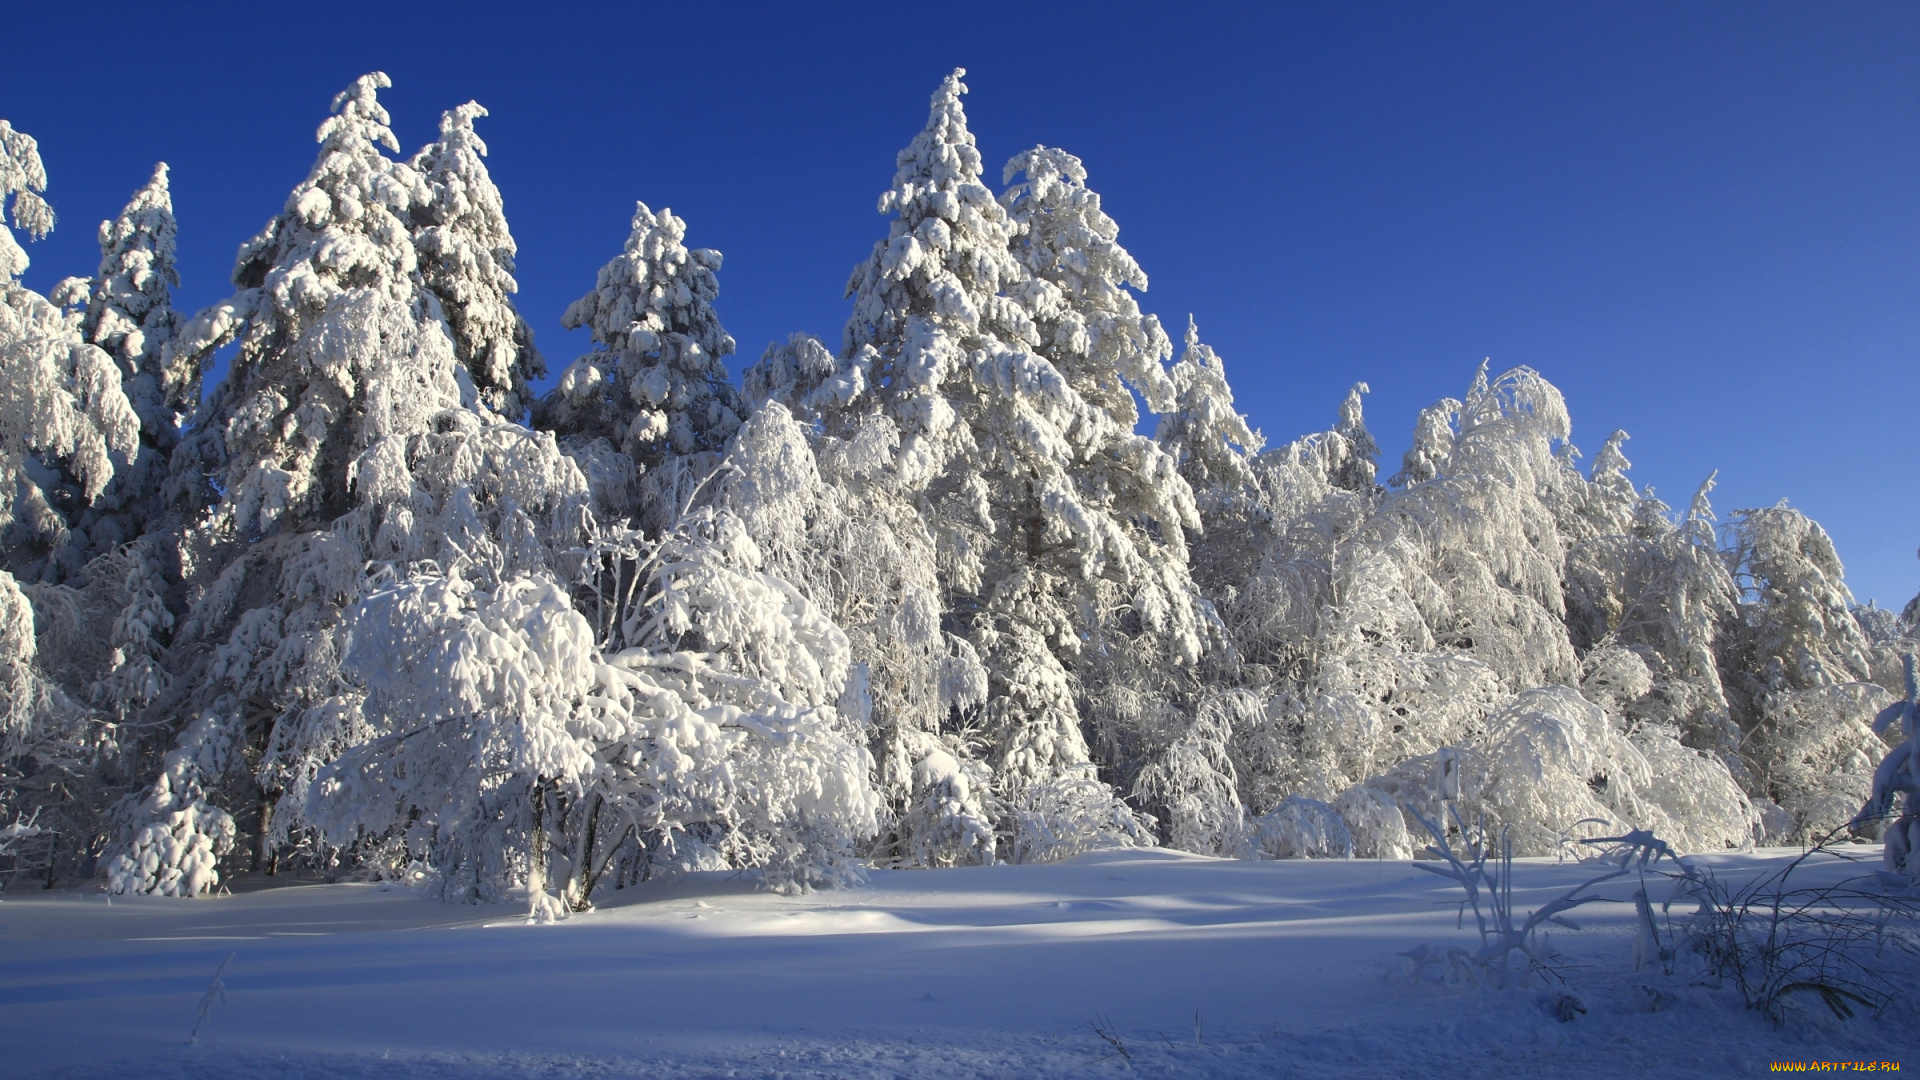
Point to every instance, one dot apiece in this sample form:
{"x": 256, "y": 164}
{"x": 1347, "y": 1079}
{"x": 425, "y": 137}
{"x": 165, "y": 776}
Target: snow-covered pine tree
{"x": 338, "y": 349}
{"x": 1089, "y": 324}
{"x": 130, "y": 316}
{"x": 648, "y": 413}
{"x": 1116, "y": 553}
{"x": 103, "y": 629}
{"x": 23, "y": 178}
{"x": 339, "y": 442}
{"x": 51, "y": 749}
{"x": 339, "y": 344}
{"x": 65, "y": 423}
{"x": 1432, "y": 443}
{"x": 1202, "y": 431}
{"x": 1213, "y": 445}
{"x": 1358, "y": 461}
{"x": 102, "y": 622}
{"x": 466, "y": 260}
{"x": 947, "y": 335}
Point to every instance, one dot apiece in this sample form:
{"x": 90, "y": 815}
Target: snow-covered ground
{"x": 1198, "y": 966}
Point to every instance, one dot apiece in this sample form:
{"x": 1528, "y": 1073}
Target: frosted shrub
{"x": 179, "y": 838}
{"x": 1195, "y": 781}
{"x": 1302, "y": 828}
{"x": 1375, "y": 822}
{"x": 712, "y": 726}
{"x": 1071, "y": 815}
{"x": 1893, "y": 807}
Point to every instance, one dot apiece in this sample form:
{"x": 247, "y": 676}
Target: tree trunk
{"x": 263, "y": 853}
{"x": 537, "y": 841}
{"x": 579, "y": 875}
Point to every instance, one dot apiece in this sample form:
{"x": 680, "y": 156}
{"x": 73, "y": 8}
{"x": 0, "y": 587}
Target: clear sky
{"x": 1701, "y": 221}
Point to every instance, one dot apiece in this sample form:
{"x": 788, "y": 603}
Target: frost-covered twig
{"x": 1845, "y": 943}
{"x": 1489, "y": 889}
{"x": 1104, "y": 1028}
{"x": 216, "y": 994}
{"x": 19, "y": 831}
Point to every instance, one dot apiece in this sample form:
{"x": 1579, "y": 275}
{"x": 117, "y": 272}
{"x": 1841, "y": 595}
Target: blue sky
{"x": 1701, "y": 221}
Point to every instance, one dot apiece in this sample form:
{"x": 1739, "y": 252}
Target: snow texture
{"x": 1199, "y": 967}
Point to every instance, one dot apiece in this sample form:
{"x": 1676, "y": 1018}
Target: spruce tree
{"x": 957, "y": 318}
{"x": 340, "y": 345}
{"x": 339, "y": 451}
{"x": 653, "y": 402}
{"x": 65, "y": 423}
{"x": 130, "y": 316}
{"x": 466, "y": 260}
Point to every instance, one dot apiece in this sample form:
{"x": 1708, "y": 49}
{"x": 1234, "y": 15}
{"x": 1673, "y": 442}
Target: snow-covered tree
{"x": 653, "y": 402}
{"x": 1359, "y": 458}
{"x": 1194, "y": 782}
{"x": 466, "y": 255}
{"x": 836, "y": 525}
{"x": 50, "y": 751}
{"x": 1130, "y": 510}
{"x": 1798, "y": 671}
{"x": 1489, "y": 526}
{"x": 1892, "y": 809}
{"x": 1089, "y": 324}
{"x": 1214, "y": 446}
{"x": 130, "y": 316}
{"x": 998, "y": 339}
{"x": 101, "y": 620}
{"x": 1397, "y": 635}
{"x": 1550, "y": 765}
{"x": 22, "y": 180}
{"x": 65, "y": 423}
{"x": 340, "y": 345}
{"x": 1203, "y": 432}
{"x": 1648, "y": 599}
{"x": 340, "y": 440}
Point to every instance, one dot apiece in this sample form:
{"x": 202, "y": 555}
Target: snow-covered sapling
{"x": 1486, "y": 874}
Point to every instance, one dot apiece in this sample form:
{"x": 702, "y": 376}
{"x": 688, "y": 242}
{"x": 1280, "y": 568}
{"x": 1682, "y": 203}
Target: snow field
{"x": 988, "y": 971}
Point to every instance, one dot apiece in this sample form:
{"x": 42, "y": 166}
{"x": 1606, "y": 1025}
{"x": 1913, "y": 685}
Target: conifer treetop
{"x": 1206, "y": 436}
{"x": 1088, "y": 322}
{"x": 65, "y": 424}
{"x": 466, "y": 258}
{"x": 22, "y": 179}
{"x": 930, "y": 293}
{"x": 657, "y": 388}
{"x": 339, "y": 344}
{"x": 130, "y": 310}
